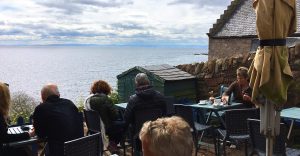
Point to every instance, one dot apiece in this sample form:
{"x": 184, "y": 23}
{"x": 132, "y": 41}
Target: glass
{"x": 218, "y": 101}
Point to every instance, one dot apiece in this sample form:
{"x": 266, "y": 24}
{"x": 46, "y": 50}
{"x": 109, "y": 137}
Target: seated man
{"x": 240, "y": 88}
{"x": 57, "y": 120}
{"x": 145, "y": 97}
{"x": 167, "y": 137}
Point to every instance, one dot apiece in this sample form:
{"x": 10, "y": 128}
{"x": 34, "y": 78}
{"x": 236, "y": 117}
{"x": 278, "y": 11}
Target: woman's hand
{"x": 246, "y": 97}
{"x": 224, "y": 99}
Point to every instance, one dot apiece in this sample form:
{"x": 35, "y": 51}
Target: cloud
{"x": 115, "y": 22}
{"x": 127, "y": 26}
{"x": 200, "y": 3}
{"x": 78, "y": 6}
{"x": 104, "y": 4}
{"x": 11, "y": 32}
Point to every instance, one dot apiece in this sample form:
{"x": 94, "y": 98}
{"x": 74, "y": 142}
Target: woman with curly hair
{"x": 4, "y": 136}
{"x": 100, "y": 102}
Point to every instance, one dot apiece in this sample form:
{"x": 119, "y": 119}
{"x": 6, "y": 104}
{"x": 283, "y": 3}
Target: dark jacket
{"x": 238, "y": 93}
{"x": 5, "y": 138}
{"x": 102, "y": 104}
{"x": 144, "y": 97}
{"x": 57, "y": 120}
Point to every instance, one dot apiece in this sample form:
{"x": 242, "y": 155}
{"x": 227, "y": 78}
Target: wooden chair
{"x": 186, "y": 113}
{"x": 84, "y": 146}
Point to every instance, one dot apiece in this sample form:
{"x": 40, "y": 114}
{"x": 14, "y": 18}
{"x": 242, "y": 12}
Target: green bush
{"x": 80, "y": 104}
{"x": 114, "y": 96}
{"x": 21, "y": 105}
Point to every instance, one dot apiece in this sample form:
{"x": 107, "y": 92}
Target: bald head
{"x": 48, "y": 90}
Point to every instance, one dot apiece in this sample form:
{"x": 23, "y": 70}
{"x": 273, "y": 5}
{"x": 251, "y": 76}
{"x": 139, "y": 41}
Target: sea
{"x": 75, "y": 68}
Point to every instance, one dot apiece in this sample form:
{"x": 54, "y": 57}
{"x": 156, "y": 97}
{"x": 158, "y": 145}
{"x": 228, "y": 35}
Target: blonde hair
{"x": 4, "y": 99}
{"x": 168, "y": 137}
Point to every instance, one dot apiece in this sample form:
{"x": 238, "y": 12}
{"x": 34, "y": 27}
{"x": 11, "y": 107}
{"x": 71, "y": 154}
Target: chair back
{"x": 170, "y": 100}
{"x": 236, "y": 120}
{"x": 259, "y": 141}
{"x": 223, "y": 89}
{"x": 88, "y": 145}
{"x": 186, "y": 113}
{"x": 142, "y": 115}
{"x": 92, "y": 119}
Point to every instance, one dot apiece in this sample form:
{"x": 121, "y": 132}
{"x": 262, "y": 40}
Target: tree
{"x": 21, "y": 105}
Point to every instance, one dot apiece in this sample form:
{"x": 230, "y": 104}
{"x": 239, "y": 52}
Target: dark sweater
{"x": 57, "y": 120}
{"x": 144, "y": 97}
{"x": 238, "y": 93}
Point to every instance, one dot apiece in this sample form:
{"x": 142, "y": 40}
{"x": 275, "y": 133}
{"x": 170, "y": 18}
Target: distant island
{"x": 200, "y": 53}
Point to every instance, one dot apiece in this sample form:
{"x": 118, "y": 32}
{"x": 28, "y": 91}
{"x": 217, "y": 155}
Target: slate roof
{"x": 238, "y": 20}
{"x": 164, "y": 71}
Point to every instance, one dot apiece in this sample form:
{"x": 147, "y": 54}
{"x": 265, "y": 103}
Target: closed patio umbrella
{"x": 270, "y": 71}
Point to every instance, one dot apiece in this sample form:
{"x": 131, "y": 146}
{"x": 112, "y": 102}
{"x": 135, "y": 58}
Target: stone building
{"x": 234, "y": 34}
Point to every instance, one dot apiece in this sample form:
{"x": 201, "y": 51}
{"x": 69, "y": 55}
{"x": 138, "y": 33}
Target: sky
{"x": 108, "y": 22}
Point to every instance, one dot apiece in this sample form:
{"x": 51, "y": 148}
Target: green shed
{"x": 167, "y": 79}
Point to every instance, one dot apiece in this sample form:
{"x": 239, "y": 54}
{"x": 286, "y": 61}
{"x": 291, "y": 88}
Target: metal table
{"x": 292, "y": 114}
{"x": 23, "y": 143}
{"x": 121, "y": 106}
{"x": 215, "y": 110}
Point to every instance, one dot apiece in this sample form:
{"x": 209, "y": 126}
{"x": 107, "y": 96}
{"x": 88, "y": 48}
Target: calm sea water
{"x": 75, "y": 68}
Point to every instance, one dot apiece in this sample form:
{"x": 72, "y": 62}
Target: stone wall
{"x": 213, "y": 73}
{"x": 225, "y": 48}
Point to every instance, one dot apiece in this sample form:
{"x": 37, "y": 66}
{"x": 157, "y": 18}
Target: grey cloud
{"x": 78, "y": 6}
{"x": 4, "y": 8}
{"x": 127, "y": 26}
{"x": 99, "y": 3}
{"x": 63, "y": 6}
{"x": 74, "y": 33}
{"x": 201, "y": 3}
{"x": 12, "y": 32}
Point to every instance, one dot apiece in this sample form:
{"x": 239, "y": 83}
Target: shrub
{"x": 114, "y": 96}
{"x": 80, "y": 104}
{"x": 21, "y": 105}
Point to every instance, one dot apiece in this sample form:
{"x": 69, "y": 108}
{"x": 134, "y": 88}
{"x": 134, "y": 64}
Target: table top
{"x": 23, "y": 142}
{"x": 291, "y": 113}
{"x": 18, "y": 130}
{"x": 212, "y": 107}
{"x": 121, "y": 105}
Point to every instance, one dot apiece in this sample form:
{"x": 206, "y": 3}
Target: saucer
{"x": 202, "y": 102}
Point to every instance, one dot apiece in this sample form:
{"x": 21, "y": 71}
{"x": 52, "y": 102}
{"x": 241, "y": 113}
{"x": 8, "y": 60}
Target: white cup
{"x": 218, "y": 101}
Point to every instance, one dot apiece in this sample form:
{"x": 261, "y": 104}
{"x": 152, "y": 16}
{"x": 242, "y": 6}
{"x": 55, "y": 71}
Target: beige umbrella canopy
{"x": 270, "y": 71}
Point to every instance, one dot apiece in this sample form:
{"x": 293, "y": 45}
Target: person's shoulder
{"x": 133, "y": 97}
{"x": 66, "y": 101}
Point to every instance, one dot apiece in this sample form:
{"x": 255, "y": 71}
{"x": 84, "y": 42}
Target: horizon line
{"x": 98, "y": 45}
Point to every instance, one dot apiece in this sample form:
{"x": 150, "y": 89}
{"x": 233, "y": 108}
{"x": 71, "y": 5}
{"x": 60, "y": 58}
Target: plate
{"x": 202, "y": 102}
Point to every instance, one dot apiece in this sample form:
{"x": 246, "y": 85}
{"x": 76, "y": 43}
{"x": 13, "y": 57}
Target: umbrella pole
{"x": 269, "y": 144}
{"x": 268, "y": 118}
